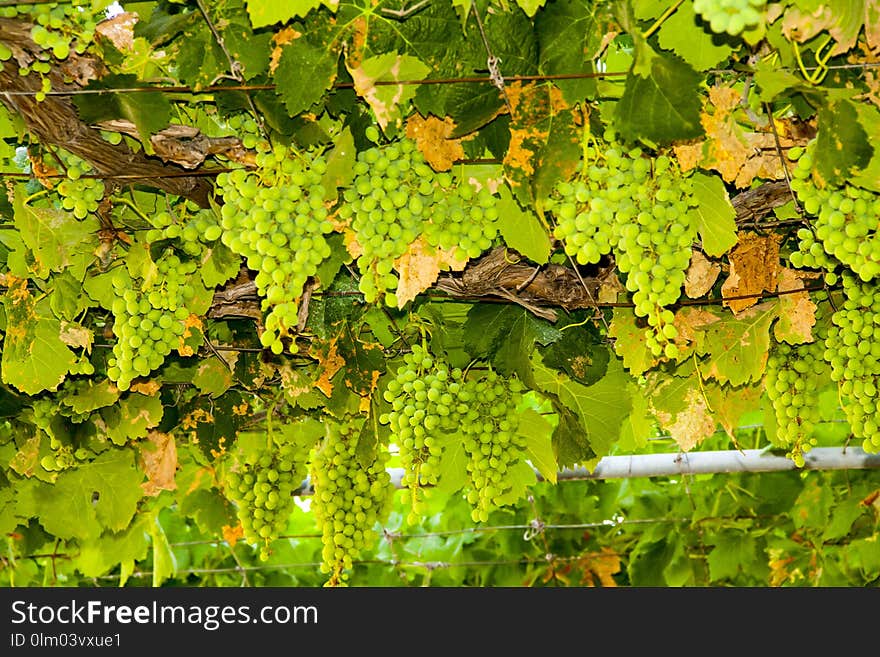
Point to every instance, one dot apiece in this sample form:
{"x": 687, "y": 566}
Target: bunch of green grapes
{"x": 487, "y": 409}
{"x": 193, "y": 234}
{"x": 59, "y": 28}
{"x": 275, "y": 217}
{"x": 149, "y": 318}
{"x": 262, "y": 489}
{"x": 64, "y": 453}
{"x": 350, "y": 497}
{"x": 852, "y": 347}
{"x": 395, "y": 198}
{"x": 79, "y": 195}
{"x": 792, "y": 379}
{"x": 423, "y": 395}
{"x": 846, "y": 220}
{"x": 637, "y": 208}
{"x": 730, "y": 16}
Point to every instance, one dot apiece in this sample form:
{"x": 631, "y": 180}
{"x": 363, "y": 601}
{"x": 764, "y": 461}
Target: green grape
{"x": 845, "y": 228}
{"x": 81, "y": 196}
{"x": 730, "y": 16}
{"x": 792, "y": 379}
{"x": 262, "y": 486}
{"x": 352, "y": 493}
{"x": 275, "y": 217}
{"x": 852, "y": 348}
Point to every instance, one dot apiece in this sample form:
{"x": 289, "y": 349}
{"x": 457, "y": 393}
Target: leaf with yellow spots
{"x": 158, "y": 460}
{"x": 35, "y": 357}
{"x": 545, "y": 140}
{"x": 329, "y": 363}
{"x": 27, "y": 457}
{"x": 193, "y": 336}
{"x": 279, "y": 40}
{"x": 599, "y": 568}
{"x": 681, "y": 408}
{"x": 76, "y": 335}
{"x": 797, "y": 312}
{"x": 149, "y": 388}
{"x": 388, "y": 101}
{"x": 754, "y": 267}
{"x": 419, "y": 268}
{"x": 432, "y": 136}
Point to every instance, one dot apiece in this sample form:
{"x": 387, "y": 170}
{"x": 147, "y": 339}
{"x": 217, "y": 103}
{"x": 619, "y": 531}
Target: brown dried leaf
{"x": 232, "y": 534}
{"x": 690, "y": 322}
{"x": 158, "y": 455}
{"x": 149, "y": 388}
{"x": 701, "y": 275}
{"x": 419, "y": 268}
{"x": 797, "y": 312}
{"x": 692, "y": 425}
{"x": 432, "y": 138}
{"x": 76, "y": 335}
{"x": 600, "y": 567}
{"x": 610, "y": 288}
{"x": 119, "y": 30}
{"x": 754, "y": 266}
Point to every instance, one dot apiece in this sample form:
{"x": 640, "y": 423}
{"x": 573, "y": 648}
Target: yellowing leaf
{"x": 419, "y": 267}
{"x": 329, "y": 363}
{"x": 701, "y": 275}
{"x": 754, "y": 263}
{"x": 388, "y": 101}
{"x": 797, "y": 312}
{"x": 431, "y": 135}
{"x": 158, "y": 455}
{"x": 232, "y": 534}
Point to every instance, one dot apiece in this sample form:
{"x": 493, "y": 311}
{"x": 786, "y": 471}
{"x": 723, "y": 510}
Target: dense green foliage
{"x": 254, "y": 254}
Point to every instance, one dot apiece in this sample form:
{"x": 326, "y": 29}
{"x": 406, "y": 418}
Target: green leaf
{"x": 538, "y": 432}
{"x": 631, "y": 341}
{"x": 101, "y": 494}
{"x": 567, "y": 38}
{"x": 683, "y": 33}
{"x": 734, "y": 551}
{"x": 663, "y": 106}
{"x": 340, "y": 165}
{"x": 844, "y": 513}
{"x": 219, "y": 264}
{"x": 681, "y": 408}
{"x": 164, "y": 562}
{"x": 531, "y": 7}
{"x": 453, "y": 465}
{"x": 92, "y": 396}
{"x": 714, "y": 215}
{"x": 305, "y": 71}
{"x": 581, "y": 353}
{"x": 772, "y": 82}
{"x": 98, "y": 556}
{"x": 842, "y": 145}
{"x": 270, "y": 12}
{"x": 600, "y": 408}
{"x": 522, "y": 230}
{"x": 213, "y": 377}
{"x": 517, "y": 481}
{"x": 738, "y": 345}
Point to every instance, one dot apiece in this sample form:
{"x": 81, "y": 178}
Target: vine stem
{"x": 666, "y": 14}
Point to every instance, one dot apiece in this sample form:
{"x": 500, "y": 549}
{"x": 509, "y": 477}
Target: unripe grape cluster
{"x": 275, "y": 217}
{"x": 192, "y": 234}
{"x": 431, "y": 402}
{"x": 149, "y": 318}
{"x": 65, "y": 454}
{"x": 395, "y": 198}
{"x": 846, "y": 225}
{"x": 77, "y": 194}
{"x": 792, "y": 380}
{"x": 852, "y": 347}
{"x": 730, "y": 16}
{"x": 423, "y": 395}
{"x": 350, "y": 497}
{"x": 491, "y": 441}
{"x": 637, "y": 208}
{"x": 262, "y": 489}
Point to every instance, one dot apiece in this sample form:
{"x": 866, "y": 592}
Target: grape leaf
{"x": 388, "y": 102}
{"x": 567, "y": 39}
{"x": 453, "y": 465}
{"x": 522, "y": 230}
{"x": 581, "y": 353}
{"x": 270, "y": 12}
{"x": 714, "y": 215}
{"x": 164, "y": 561}
{"x": 537, "y": 431}
{"x": 219, "y": 264}
{"x": 92, "y": 396}
{"x": 630, "y": 342}
{"x": 599, "y": 408}
{"x": 733, "y": 552}
{"x": 681, "y": 408}
{"x": 737, "y": 346}
{"x": 84, "y": 501}
{"x": 213, "y": 377}
{"x": 684, "y": 34}
{"x": 842, "y": 145}
{"x": 662, "y": 106}
{"x": 305, "y": 71}
{"x": 130, "y": 418}
{"x": 340, "y": 166}
{"x": 98, "y": 556}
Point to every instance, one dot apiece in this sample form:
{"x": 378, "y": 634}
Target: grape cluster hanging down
{"x": 395, "y": 198}
{"x": 792, "y": 379}
{"x": 852, "y": 347}
{"x": 275, "y": 217}
{"x": 730, "y": 16}
{"x": 846, "y": 224}
{"x": 637, "y": 208}
{"x": 352, "y": 492}
{"x": 433, "y": 404}
{"x": 149, "y": 317}
{"x": 262, "y": 488}
{"x": 79, "y": 195}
